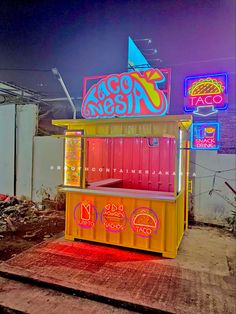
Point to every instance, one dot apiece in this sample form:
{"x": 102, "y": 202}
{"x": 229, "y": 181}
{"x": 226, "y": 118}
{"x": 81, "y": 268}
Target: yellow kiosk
{"x": 126, "y": 179}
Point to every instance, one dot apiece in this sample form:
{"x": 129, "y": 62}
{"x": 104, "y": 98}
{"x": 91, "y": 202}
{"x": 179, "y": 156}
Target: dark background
{"x": 83, "y": 38}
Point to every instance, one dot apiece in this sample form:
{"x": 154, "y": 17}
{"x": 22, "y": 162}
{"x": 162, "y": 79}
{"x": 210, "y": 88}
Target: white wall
{"x": 7, "y": 148}
{"x": 215, "y": 206}
{"x": 39, "y": 165}
{"x": 26, "y": 123}
{"x": 37, "y": 161}
{"x": 47, "y": 166}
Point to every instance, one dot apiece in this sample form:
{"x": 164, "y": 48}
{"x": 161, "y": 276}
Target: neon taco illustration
{"x": 206, "y": 87}
{"x": 145, "y": 220}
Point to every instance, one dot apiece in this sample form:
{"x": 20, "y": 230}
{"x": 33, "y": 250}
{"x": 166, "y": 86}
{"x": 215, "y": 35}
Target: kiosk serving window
{"x": 141, "y": 163}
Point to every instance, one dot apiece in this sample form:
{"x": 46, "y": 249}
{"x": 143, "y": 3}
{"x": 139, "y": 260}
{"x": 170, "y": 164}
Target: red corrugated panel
{"x": 118, "y": 148}
{"x": 154, "y": 166}
{"x": 127, "y": 162}
{"x": 142, "y": 163}
{"x": 164, "y": 163}
{"x": 172, "y": 164}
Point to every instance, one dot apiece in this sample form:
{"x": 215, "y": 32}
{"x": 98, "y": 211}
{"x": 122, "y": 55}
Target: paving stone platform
{"x": 132, "y": 279}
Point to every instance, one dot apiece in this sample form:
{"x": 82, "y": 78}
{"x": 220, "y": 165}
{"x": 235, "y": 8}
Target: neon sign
{"x": 72, "y": 167}
{"x": 131, "y": 94}
{"x": 206, "y": 94}
{"x": 85, "y": 214}
{"x": 205, "y": 135}
{"x": 144, "y": 222}
{"x": 114, "y": 218}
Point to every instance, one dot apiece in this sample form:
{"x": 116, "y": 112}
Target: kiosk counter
{"x": 126, "y": 181}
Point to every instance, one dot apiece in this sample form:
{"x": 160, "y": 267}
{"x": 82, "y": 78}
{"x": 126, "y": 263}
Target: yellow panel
{"x": 116, "y": 129}
{"x": 90, "y": 124}
{"x": 137, "y": 228}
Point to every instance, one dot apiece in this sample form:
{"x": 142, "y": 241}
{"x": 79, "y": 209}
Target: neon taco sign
{"x": 144, "y": 222}
{"x": 131, "y": 94}
{"x": 206, "y": 94}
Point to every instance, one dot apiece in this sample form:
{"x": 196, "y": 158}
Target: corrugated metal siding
{"x": 126, "y": 238}
{"x": 142, "y": 163}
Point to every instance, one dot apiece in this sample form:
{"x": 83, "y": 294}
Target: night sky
{"x": 83, "y": 38}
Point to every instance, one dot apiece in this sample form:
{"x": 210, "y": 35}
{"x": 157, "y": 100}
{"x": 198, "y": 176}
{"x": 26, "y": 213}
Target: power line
{"x": 25, "y": 69}
{"x": 223, "y": 178}
{"x": 216, "y": 171}
{"x": 227, "y": 170}
{"x": 203, "y": 61}
{"x": 195, "y": 195}
{"x": 194, "y": 177}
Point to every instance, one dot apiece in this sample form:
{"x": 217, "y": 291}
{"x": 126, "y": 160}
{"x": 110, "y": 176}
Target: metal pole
{"x": 57, "y": 74}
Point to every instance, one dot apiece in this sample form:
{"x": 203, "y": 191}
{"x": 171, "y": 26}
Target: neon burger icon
{"x": 113, "y": 217}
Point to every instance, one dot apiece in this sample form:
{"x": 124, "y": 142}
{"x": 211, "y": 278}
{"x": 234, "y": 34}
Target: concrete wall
{"x": 7, "y": 148}
{"x": 47, "y": 166}
{"x": 26, "y": 125}
{"x": 29, "y": 164}
{"x": 39, "y": 166}
{"x": 212, "y": 201}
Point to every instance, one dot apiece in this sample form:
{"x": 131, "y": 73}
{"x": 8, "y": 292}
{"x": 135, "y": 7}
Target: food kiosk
{"x": 126, "y": 178}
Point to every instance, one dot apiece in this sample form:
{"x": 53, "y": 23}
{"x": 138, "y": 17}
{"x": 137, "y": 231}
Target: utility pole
{"x": 58, "y": 76}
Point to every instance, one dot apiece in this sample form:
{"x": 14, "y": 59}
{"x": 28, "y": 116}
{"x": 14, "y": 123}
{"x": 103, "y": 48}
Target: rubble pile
{"x": 14, "y": 213}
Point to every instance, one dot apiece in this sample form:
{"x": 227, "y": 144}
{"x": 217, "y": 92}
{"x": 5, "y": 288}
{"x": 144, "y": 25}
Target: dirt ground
{"x": 30, "y": 233}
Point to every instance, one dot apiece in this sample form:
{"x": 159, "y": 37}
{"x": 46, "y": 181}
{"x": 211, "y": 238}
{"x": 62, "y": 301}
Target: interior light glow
{"x": 72, "y": 164}
{"x": 180, "y": 160}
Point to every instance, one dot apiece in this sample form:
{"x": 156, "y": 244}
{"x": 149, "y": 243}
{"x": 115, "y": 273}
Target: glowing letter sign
{"x": 114, "y": 218}
{"x": 205, "y": 135}
{"x": 72, "y": 165}
{"x": 85, "y": 214}
{"x": 204, "y": 95}
{"x": 126, "y": 95}
{"x": 144, "y": 222}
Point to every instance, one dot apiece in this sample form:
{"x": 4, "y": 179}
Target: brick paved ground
{"x": 200, "y": 280}
{"x": 32, "y": 299}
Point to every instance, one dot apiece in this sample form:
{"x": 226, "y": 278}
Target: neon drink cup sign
{"x": 205, "y": 136}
